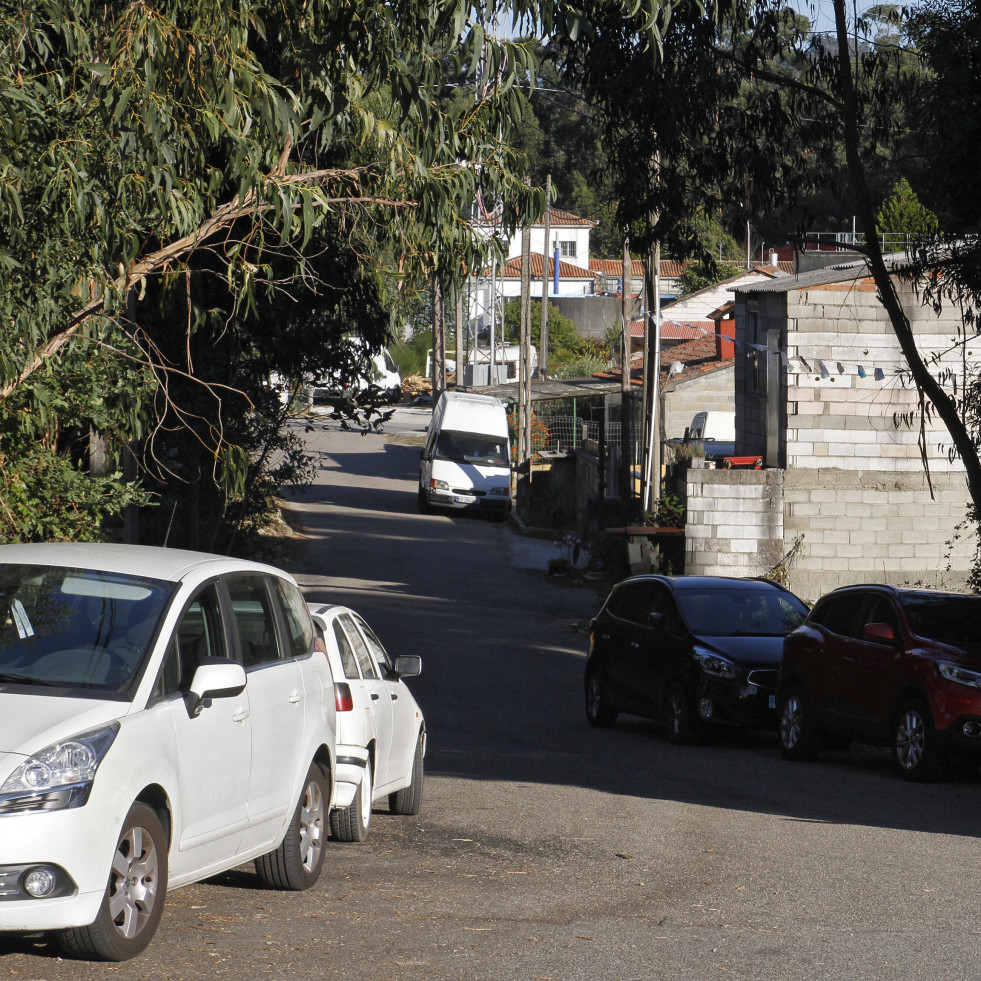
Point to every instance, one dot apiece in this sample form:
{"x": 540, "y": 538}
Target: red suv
{"x": 899, "y": 667}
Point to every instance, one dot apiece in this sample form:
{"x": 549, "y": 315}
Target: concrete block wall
{"x": 857, "y": 526}
{"x": 847, "y": 421}
{"x": 710, "y": 392}
{"x": 874, "y": 526}
{"x": 733, "y": 522}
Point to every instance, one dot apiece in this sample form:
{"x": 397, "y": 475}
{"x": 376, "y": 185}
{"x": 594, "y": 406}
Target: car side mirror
{"x": 408, "y": 665}
{"x": 879, "y": 633}
{"x": 215, "y": 677}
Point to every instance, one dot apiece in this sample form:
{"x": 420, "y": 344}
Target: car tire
{"x": 424, "y": 505}
{"x": 914, "y": 743}
{"x": 798, "y": 738}
{"x": 408, "y": 801}
{"x": 599, "y": 711}
{"x": 351, "y": 823}
{"x": 682, "y": 721}
{"x": 295, "y": 865}
{"x": 135, "y": 894}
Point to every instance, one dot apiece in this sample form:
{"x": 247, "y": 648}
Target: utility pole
{"x": 460, "y": 354}
{"x": 543, "y": 333}
{"x": 524, "y": 374}
{"x": 626, "y": 406}
{"x": 439, "y": 339}
{"x": 652, "y": 378}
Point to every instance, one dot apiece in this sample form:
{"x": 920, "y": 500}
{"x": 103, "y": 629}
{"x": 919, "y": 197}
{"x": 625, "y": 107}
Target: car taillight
{"x": 343, "y": 700}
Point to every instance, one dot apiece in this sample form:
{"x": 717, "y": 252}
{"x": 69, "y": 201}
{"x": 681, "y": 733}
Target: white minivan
{"x": 164, "y": 716}
{"x": 466, "y": 459}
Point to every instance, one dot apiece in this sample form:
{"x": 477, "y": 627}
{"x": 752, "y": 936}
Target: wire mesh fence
{"x": 556, "y": 433}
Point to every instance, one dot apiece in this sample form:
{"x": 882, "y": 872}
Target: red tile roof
{"x": 697, "y": 357}
{"x": 670, "y": 268}
{"x": 512, "y": 269}
{"x": 566, "y": 218}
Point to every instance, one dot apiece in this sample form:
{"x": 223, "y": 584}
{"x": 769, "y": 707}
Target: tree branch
{"x": 225, "y": 216}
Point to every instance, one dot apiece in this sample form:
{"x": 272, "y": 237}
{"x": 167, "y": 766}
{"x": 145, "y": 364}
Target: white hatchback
{"x": 381, "y": 732}
{"x": 164, "y": 716}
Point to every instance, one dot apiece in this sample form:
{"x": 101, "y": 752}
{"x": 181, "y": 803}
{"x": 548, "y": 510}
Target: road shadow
{"x": 503, "y": 655}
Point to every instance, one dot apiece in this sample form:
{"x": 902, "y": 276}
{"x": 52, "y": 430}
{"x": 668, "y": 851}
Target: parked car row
{"x": 168, "y": 715}
{"x": 689, "y": 651}
{"x": 877, "y": 664}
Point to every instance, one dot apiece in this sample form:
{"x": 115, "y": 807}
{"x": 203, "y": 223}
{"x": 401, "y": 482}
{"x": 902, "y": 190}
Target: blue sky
{"x": 821, "y": 12}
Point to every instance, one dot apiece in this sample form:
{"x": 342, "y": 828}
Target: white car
{"x": 164, "y": 716}
{"x": 381, "y": 732}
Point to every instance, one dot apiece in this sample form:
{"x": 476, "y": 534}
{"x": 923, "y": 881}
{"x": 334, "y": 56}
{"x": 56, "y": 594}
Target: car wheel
{"x": 409, "y": 800}
{"x": 424, "y": 506}
{"x": 296, "y": 864}
{"x": 798, "y": 740}
{"x": 599, "y": 711}
{"x": 914, "y": 743}
{"x": 351, "y": 823}
{"x": 134, "y": 899}
{"x": 682, "y": 721}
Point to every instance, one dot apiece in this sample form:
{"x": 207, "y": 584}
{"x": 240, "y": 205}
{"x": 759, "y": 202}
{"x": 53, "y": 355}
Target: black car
{"x": 689, "y": 650}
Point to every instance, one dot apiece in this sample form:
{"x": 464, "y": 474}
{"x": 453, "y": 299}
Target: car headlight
{"x": 500, "y": 491}
{"x": 960, "y": 674}
{"x": 715, "y": 664}
{"x": 59, "y": 776}
{"x": 439, "y": 484}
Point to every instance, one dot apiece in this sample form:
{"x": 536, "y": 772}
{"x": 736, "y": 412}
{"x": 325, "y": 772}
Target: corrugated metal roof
{"x": 828, "y": 276}
{"x": 558, "y": 389}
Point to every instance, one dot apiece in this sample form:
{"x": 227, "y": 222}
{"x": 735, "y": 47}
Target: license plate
{"x": 460, "y": 499}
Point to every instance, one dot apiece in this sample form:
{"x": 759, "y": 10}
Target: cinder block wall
{"x": 855, "y": 423}
{"x": 734, "y": 522}
{"x": 874, "y": 526}
{"x": 710, "y": 392}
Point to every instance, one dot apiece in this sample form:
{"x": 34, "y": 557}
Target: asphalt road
{"x": 546, "y": 849}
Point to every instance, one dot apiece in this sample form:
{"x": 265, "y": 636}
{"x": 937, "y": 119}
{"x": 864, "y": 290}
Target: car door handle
{"x": 296, "y": 696}
{"x": 374, "y": 696}
{"x": 634, "y": 645}
{"x": 240, "y": 715}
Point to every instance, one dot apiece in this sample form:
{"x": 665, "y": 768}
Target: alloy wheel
{"x": 910, "y": 739}
{"x": 134, "y": 883}
{"x": 312, "y": 819}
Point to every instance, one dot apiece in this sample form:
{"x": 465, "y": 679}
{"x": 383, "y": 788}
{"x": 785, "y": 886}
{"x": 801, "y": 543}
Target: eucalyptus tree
{"x": 143, "y": 144}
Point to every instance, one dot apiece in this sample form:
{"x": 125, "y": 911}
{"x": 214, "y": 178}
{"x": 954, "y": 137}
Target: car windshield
{"x": 76, "y": 628}
{"x": 721, "y": 612}
{"x": 947, "y": 619}
{"x": 472, "y": 448}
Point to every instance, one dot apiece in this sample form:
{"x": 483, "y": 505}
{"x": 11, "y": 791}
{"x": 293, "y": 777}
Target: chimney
{"x": 725, "y": 338}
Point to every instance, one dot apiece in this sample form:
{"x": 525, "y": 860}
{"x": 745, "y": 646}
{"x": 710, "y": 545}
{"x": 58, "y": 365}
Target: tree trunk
{"x": 927, "y": 385}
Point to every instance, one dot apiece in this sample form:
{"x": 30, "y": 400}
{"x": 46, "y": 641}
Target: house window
{"x": 567, "y": 250}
